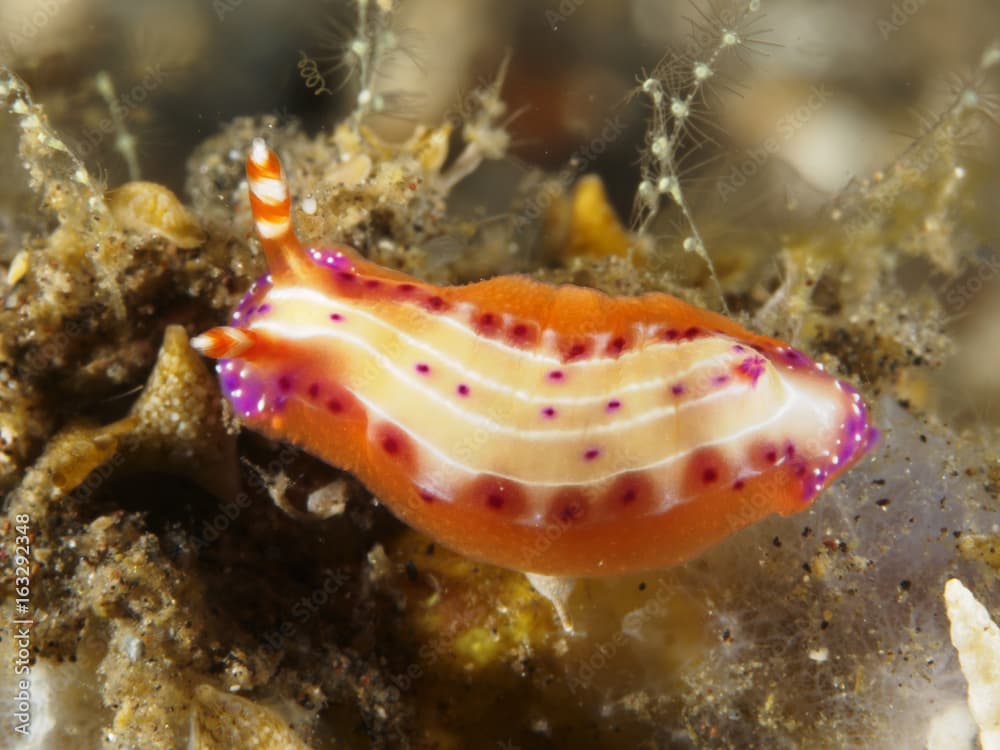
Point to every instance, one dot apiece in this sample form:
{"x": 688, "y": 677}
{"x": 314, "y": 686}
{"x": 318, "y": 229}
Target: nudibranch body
{"x": 552, "y": 430}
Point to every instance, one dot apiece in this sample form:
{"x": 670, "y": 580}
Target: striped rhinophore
{"x": 548, "y": 429}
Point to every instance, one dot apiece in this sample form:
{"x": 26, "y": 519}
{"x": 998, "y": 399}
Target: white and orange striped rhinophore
{"x": 549, "y": 429}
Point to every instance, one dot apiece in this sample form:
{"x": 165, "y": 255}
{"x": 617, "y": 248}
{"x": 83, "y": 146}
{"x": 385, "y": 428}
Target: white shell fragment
{"x": 977, "y": 639}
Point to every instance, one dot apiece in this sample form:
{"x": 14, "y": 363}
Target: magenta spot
{"x": 691, "y": 332}
{"x": 285, "y": 383}
{"x": 614, "y": 405}
{"x": 629, "y": 496}
{"x": 336, "y": 317}
{"x": 435, "y": 303}
{"x": 313, "y": 390}
{"x": 671, "y": 334}
{"x": 720, "y": 379}
{"x": 739, "y": 348}
{"x": 709, "y": 475}
{"x": 335, "y": 405}
{"x": 794, "y": 357}
{"x": 556, "y": 376}
{"x": 406, "y": 288}
{"x": 463, "y": 389}
{"x": 677, "y": 389}
{"x": 570, "y": 513}
{"x": 616, "y": 345}
{"x": 487, "y": 324}
{"x": 422, "y": 368}
{"x": 548, "y": 412}
{"x": 591, "y": 453}
{"x": 771, "y": 455}
{"x": 574, "y": 352}
{"x": 390, "y": 444}
{"x": 263, "y": 309}
{"x": 523, "y": 334}
{"x": 752, "y": 367}
{"x": 346, "y": 276}
{"x": 373, "y": 283}
{"x": 494, "y": 500}
{"x": 340, "y": 261}
{"x": 789, "y": 450}
{"x": 739, "y": 484}
{"x": 426, "y": 496}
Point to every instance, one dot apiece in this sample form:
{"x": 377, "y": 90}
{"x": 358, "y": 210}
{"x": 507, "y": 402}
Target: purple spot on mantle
{"x": 463, "y": 389}
{"x": 263, "y": 309}
{"x": 752, "y": 367}
{"x": 548, "y": 412}
{"x": 720, "y": 379}
{"x": 614, "y": 405}
{"x": 556, "y": 376}
{"x": 423, "y": 369}
{"x": 435, "y": 303}
{"x": 794, "y": 357}
{"x": 285, "y": 383}
{"x": 591, "y": 453}
{"x": 313, "y": 390}
{"x": 677, "y": 389}
{"x": 336, "y": 317}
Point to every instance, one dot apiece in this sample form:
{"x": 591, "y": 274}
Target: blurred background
{"x": 833, "y": 164}
{"x": 849, "y": 81}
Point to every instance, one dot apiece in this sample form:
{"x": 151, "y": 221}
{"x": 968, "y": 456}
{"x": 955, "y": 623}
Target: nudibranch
{"x": 550, "y": 429}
